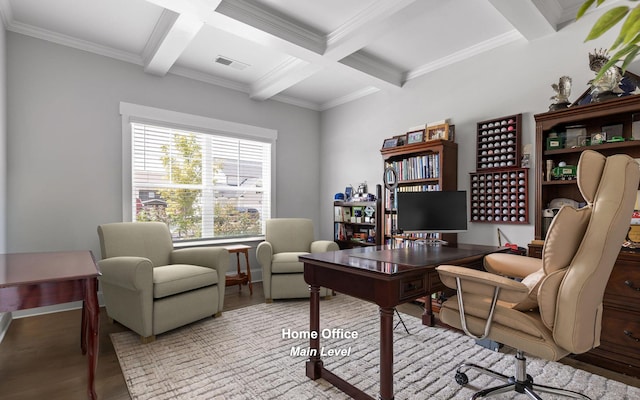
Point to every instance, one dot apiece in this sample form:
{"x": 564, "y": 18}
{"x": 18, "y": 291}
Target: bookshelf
{"x": 358, "y": 223}
{"x": 422, "y": 166}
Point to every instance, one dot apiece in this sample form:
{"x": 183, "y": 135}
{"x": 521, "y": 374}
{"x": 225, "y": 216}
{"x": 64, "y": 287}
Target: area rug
{"x": 258, "y": 352}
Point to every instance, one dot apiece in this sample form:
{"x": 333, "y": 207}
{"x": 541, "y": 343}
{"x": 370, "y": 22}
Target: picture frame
{"x": 415, "y": 136}
{"x": 402, "y": 140}
{"x": 438, "y": 132}
{"x": 388, "y": 143}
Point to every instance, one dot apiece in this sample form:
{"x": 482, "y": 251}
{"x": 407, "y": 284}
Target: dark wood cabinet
{"x": 619, "y": 348}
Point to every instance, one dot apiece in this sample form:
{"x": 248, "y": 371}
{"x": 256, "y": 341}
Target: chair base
{"x": 521, "y": 383}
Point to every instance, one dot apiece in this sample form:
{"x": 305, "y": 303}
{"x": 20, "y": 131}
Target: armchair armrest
{"x": 264, "y": 254}
{"x": 322, "y": 246}
{"x": 512, "y": 265}
{"x": 133, "y": 273}
{"x": 483, "y": 283}
{"x": 211, "y": 257}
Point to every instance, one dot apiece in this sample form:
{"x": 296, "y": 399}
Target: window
{"x": 205, "y": 183}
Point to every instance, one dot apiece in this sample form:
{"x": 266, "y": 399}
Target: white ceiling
{"x": 315, "y": 54}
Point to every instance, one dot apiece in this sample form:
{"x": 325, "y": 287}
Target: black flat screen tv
{"x": 436, "y": 211}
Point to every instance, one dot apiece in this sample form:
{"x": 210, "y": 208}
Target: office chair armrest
{"x": 133, "y": 273}
{"x": 211, "y": 257}
{"x": 322, "y": 246}
{"x": 511, "y": 265}
{"x": 483, "y": 283}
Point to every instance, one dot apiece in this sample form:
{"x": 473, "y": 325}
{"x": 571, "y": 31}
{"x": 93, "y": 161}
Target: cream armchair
{"x": 282, "y": 273}
{"x": 151, "y": 288}
{"x": 557, "y": 307}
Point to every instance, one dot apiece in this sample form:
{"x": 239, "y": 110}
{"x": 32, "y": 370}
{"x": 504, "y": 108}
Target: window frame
{"x": 135, "y": 113}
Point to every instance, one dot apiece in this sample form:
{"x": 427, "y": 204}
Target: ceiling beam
{"x": 252, "y": 22}
{"x": 171, "y": 36}
{"x": 526, "y": 17}
{"x": 291, "y": 71}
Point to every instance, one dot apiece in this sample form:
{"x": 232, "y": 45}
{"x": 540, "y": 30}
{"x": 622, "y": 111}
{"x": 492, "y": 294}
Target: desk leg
{"x": 428, "y": 318}
{"x": 314, "y": 364}
{"x": 90, "y": 327}
{"x": 386, "y": 354}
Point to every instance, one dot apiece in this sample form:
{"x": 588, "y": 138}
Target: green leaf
{"x": 585, "y": 6}
{"x": 607, "y": 21}
{"x": 630, "y": 57}
{"x": 599, "y": 2}
{"x": 631, "y": 26}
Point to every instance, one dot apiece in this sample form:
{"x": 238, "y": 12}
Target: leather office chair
{"x": 151, "y": 288}
{"x": 285, "y": 240}
{"x": 557, "y": 307}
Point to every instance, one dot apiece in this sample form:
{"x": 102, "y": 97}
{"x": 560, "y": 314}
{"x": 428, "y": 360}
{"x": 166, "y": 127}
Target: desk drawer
{"x": 412, "y": 287}
{"x": 623, "y": 287}
{"x": 621, "y": 331}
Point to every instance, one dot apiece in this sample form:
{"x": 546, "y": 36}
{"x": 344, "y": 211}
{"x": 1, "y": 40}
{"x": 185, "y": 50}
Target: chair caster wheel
{"x": 461, "y": 378}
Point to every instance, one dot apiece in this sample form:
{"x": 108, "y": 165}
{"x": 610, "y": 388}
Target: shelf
{"x": 368, "y": 224}
{"x": 560, "y": 182}
{"x": 605, "y": 146}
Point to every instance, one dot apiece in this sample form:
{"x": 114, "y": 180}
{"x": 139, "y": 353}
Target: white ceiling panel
{"x": 320, "y": 15}
{"x": 122, "y": 24}
{"x": 440, "y": 32}
{"x": 210, "y": 43}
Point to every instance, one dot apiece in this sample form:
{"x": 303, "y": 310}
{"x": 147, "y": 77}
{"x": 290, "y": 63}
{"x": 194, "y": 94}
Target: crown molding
{"x": 273, "y": 23}
{"x": 6, "y": 13}
{"x": 349, "y": 97}
{"x": 24, "y": 29}
{"x": 208, "y": 78}
{"x": 463, "y": 54}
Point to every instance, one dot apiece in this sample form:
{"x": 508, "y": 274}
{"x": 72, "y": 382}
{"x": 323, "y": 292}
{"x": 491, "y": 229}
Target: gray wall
{"x": 64, "y": 141}
{"x": 3, "y": 138}
{"x": 512, "y": 79}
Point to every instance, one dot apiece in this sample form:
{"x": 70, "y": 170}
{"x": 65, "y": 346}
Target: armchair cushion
{"x": 287, "y": 263}
{"x": 179, "y": 278}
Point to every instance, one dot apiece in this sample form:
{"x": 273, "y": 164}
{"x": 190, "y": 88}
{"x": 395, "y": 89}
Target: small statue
{"x": 608, "y": 85}
{"x": 563, "y": 90}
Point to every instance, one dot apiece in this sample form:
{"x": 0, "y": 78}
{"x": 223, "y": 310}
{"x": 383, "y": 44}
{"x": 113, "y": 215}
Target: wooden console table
{"x": 386, "y": 277}
{"x": 29, "y": 280}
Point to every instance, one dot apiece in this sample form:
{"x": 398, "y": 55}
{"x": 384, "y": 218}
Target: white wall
{"x": 512, "y": 79}
{"x": 64, "y": 141}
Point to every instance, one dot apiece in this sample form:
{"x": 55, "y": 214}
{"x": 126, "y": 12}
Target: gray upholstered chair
{"x": 285, "y": 240}
{"x": 151, "y": 288}
{"x": 557, "y": 307}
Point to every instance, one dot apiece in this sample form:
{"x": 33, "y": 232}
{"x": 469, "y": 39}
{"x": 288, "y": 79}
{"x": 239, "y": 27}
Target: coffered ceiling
{"x": 315, "y": 54}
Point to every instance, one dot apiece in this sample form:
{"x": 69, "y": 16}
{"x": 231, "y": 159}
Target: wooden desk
{"x": 30, "y": 280}
{"x": 386, "y": 277}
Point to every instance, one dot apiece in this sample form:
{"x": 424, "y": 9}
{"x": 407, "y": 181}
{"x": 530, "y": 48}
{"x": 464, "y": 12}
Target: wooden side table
{"x": 240, "y": 278}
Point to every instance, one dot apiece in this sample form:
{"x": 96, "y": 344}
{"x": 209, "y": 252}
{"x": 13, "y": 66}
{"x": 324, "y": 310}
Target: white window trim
{"x": 143, "y": 114}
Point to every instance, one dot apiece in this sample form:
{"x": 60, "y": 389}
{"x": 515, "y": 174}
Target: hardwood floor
{"x": 40, "y": 356}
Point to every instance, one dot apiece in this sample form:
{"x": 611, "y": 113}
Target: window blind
{"x": 204, "y": 186}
